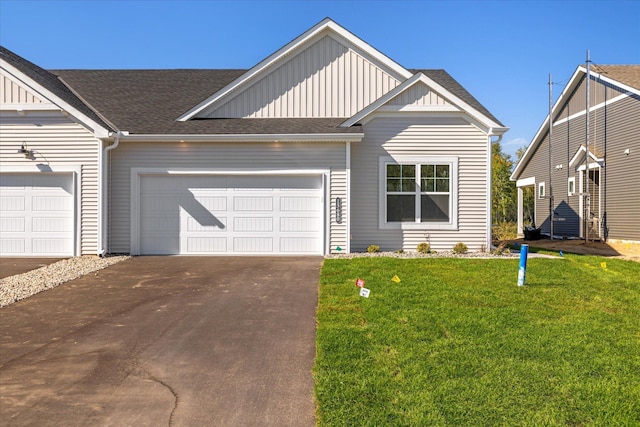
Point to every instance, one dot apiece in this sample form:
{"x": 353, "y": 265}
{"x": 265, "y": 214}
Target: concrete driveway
{"x": 179, "y": 341}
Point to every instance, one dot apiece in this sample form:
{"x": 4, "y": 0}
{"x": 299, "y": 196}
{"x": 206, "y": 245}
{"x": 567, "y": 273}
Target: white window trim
{"x": 571, "y": 180}
{"x": 452, "y": 224}
{"x": 542, "y": 190}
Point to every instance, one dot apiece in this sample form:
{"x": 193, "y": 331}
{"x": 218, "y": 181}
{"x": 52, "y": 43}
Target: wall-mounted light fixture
{"x": 24, "y": 150}
{"x": 559, "y": 167}
{"x": 627, "y": 151}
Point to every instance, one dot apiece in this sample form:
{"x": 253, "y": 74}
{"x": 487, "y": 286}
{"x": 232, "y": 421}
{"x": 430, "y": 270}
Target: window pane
{"x": 427, "y": 171}
{"x": 428, "y": 184}
{"x": 401, "y": 208}
{"x": 393, "y": 171}
{"x": 393, "y": 184}
{"x": 442, "y": 185}
{"x": 408, "y": 171}
{"x": 408, "y": 185}
{"x": 434, "y": 208}
{"x": 442, "y": 171}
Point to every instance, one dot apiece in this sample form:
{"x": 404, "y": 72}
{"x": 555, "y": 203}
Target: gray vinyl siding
{"x": 223, "y": 156}
{"x": 612, "y": 129}
{"x": 326, "y": 79}
{"x": 57, "y": 141}
{"x": 419, "y": 136}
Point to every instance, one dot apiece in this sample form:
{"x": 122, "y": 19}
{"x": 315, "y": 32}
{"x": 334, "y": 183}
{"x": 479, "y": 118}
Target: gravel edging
{"x": 21, "y": 286}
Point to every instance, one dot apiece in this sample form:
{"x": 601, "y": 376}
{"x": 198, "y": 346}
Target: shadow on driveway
{"x": 166, "y": 341}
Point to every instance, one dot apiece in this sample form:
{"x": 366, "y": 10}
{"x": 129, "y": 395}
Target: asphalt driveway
{"x": 157, "y": 341}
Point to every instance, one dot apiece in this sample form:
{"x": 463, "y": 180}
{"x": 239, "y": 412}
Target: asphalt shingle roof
{"x": 626, "y": 74}
{"x": 51, "y": 82}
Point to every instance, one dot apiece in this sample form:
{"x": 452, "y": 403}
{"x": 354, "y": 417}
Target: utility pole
{"x": 587, "y": 204}
{"x": 550, "y": 177}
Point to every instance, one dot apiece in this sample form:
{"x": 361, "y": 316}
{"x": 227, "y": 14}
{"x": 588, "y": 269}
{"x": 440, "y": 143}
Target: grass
{"x": 456, "y": 342}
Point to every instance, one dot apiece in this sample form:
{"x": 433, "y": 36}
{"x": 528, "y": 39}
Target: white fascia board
{"x": 304, "y": 137}
{"x": 323, "y": 25}
{"x": 463, "y": 107}
{"x": 98, "y": 130}
{"x": 573, "y": 82}
{"x": 569, "y": 88}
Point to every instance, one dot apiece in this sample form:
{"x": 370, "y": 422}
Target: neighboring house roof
{"x": 626, "y": 77}
{"x": 52, "y": 83}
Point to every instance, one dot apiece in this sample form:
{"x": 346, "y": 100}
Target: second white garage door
{"x": 231, "y": 214}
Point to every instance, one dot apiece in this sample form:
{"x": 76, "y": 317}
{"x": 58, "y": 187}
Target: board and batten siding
{"x": 325, "y": 79}
{"x": 613, "y": 129}
{"x": 398, "y": 136}
{"x": 238, "y": 156}
{"x": 13, "y": 92}
{"x": 57, "y": 142}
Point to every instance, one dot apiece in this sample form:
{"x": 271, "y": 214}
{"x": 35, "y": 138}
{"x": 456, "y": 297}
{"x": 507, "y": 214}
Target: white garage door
{"x": 36, "y": 214}
{"x": 231, "y": 215}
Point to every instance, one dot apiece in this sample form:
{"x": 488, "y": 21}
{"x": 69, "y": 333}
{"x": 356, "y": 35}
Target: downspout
{"x": 489, "y": 181}
{"x": 104, "y": 187}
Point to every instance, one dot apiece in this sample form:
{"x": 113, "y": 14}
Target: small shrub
{"x": 373, "y": 248}
{"x": 399, "y": 251}
{"x": 424, "y": 248}
{"x": 460, "y": 248}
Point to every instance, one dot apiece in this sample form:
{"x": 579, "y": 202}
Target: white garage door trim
{"x": 74, "y": 173}
{"x": 138, "y": 173}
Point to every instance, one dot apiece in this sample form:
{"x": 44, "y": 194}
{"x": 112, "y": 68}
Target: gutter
{"x": 286, "y": 137}
{"x": 103, "y": 193}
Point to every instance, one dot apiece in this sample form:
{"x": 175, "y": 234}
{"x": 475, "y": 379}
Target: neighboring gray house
{"x": 326, "y": 146}
{"x": 609, "y": 208}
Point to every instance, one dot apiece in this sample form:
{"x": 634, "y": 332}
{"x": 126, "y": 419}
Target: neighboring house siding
{"x": 613, "y": 128}
{"x": 393, "y": 136}
{"x": 221, "y": 156}
{"x": 327, "y": 79}
{"x": 57, "y": 142}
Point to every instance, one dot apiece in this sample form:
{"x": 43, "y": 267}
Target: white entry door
{"x": 231, "y": 214}
{"x": 36, "y": 214}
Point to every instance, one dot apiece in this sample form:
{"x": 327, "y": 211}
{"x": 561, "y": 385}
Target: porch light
{"x": 24, "y": 150}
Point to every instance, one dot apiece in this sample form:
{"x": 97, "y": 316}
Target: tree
{"x": 503, "y": 190}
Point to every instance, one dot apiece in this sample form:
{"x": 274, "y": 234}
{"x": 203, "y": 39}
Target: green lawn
{"x": 456, "y": 342}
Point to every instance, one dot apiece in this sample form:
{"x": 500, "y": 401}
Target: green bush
{"x": 424, "y": 248}
{"x": 460, "y": 248}
{"x": 373, "y": 248}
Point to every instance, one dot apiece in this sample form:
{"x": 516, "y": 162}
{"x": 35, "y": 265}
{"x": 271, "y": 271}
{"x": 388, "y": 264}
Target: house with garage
{"x": 326, "y": 146}
{"x": 586, "y": 176}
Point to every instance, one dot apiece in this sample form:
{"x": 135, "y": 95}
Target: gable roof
{"x": 326, "y": 26}
{"x": 464, "y": 102}
{"x": 50, "y": 82}
{"x": 625, "y": 77}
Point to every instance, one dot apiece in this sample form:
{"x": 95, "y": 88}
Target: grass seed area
{"x": 456, "y": 342}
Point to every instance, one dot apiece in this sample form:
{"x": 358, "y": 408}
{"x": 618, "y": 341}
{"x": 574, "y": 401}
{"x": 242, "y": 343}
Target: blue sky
{"x": 500, "y": 51}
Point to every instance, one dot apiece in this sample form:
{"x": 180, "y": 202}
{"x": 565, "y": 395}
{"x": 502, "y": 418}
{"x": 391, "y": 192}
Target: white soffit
{"x": 319, "y": 30}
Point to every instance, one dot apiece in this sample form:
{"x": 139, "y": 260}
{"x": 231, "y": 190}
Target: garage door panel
{"x": 252, "y": 215}
{"x": 206, "y": 245}
{"x": 249, "y": 224}
{"x": 37, "y": 214}
{"x": 9, "y": 225}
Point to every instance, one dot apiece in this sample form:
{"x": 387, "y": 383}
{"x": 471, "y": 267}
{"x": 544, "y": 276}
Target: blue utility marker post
{"x": 522, "y": 271}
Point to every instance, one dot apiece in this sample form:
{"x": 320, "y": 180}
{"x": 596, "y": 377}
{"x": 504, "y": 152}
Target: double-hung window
{"x": 418, "y": 192}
